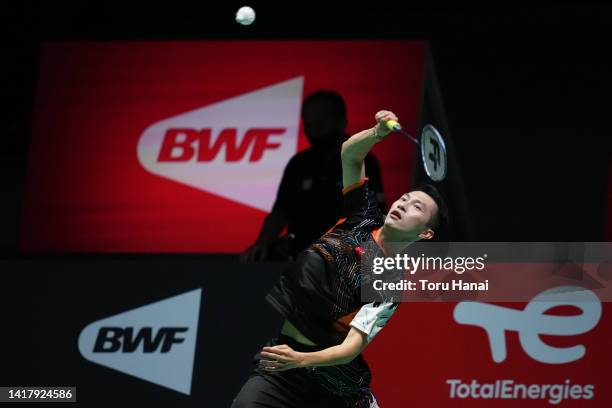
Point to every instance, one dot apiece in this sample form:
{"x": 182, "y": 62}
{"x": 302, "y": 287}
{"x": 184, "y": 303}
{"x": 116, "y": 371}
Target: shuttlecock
{"x": 245, "y": 15}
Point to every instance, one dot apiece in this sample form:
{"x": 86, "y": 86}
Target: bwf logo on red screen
{"x": 182, "y": 144}
{"x": 236, "y": 148}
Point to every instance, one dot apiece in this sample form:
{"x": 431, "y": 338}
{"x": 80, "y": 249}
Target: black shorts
{"x": 300, "y": 387}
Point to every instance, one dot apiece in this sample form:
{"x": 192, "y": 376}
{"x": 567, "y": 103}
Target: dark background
{"x": 526, "y": 89}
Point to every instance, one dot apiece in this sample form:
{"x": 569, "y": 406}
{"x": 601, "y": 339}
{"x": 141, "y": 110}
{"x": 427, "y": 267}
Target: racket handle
{"x": 393, "y": 125}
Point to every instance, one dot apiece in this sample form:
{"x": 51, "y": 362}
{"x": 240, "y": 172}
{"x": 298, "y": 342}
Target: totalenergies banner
{"x": 429, "y": 355}
{"x": 510, "y": 324}
{"x": 180, "y": 146}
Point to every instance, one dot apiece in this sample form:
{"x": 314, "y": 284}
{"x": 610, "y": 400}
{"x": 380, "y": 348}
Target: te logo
{"x": 533, "y": 321}
{"x": 114, "y": 339}
{"x": 183, "y": 144}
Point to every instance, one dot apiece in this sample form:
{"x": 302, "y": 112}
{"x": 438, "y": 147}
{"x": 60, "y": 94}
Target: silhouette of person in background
{"x": 309, "y": 198}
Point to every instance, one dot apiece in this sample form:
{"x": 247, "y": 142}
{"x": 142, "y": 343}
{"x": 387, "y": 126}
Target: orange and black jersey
{"x": 321, "y": 292}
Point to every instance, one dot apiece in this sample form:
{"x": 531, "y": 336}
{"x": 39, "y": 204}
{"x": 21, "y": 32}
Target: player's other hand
{"x": 280, "y": 358}
{"x": 382, "y": 117}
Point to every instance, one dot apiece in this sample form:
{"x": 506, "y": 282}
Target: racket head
{"x": 433, "y": 153}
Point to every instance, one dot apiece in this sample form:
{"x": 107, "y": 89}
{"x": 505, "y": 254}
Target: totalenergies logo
{"x": 533, "y": 321}
{"x": 236, "y": 148}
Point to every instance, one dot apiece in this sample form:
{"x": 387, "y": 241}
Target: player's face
{"x": 411, "y": 213}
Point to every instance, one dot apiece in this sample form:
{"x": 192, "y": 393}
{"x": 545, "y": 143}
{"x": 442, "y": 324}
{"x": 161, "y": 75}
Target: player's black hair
{"x": 440, "y": 221}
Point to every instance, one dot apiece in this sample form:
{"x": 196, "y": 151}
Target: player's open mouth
{"x": 396, "y": 215}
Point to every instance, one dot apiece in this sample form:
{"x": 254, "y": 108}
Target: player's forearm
{"x": 343, "y": 353}
{"x": 356, "y": 148}
{"x": 330, "y": 356}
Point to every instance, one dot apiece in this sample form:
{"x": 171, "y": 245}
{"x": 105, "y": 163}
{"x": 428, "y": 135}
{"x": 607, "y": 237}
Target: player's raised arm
{"x": 355, "y": 149}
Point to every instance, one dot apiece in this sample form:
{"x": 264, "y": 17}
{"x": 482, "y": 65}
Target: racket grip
{"x": 393, "y": 125}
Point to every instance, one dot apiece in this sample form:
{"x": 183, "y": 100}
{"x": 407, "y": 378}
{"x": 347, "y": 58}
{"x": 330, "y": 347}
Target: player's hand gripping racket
{"x": 433, "y": 149}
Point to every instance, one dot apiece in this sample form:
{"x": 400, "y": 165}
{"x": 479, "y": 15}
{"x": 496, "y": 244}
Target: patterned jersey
{"x": 320, "y": 293}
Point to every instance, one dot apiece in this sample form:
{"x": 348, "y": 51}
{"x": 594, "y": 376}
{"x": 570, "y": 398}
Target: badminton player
{"x": 316, "y": 361}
